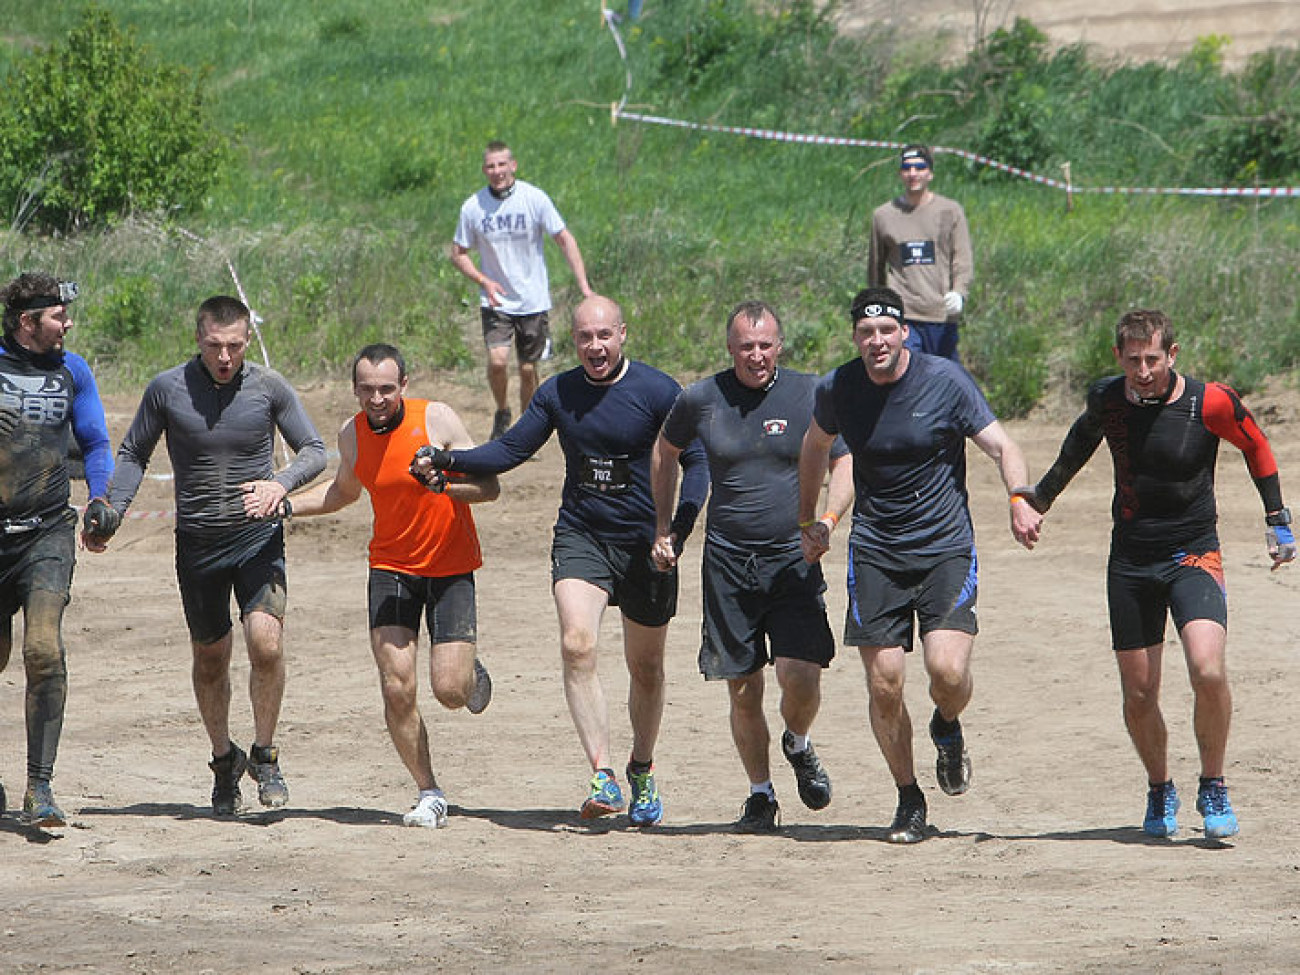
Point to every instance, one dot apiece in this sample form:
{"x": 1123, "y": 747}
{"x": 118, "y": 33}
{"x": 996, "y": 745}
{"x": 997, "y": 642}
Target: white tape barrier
{"x": 617, "y": 111}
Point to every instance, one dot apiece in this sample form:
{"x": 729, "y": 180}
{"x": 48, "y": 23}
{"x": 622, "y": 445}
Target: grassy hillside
{"x": 358, "y": 129}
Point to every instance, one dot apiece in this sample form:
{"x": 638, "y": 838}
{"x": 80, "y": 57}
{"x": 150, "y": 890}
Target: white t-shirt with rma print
{"x": 509, "y": 235}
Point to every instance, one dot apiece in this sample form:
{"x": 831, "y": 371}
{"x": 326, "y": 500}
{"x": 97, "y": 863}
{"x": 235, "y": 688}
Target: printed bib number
{"x": 606, "y": 475}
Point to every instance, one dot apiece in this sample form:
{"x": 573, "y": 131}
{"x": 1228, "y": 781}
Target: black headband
{"x": 67, "y": 294}
{"x": 876, "y": 309}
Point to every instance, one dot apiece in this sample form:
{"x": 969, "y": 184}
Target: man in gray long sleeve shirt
{"x": 220, "y": 415}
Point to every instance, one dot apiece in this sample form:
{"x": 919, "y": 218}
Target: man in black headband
{"x": 920, "y": 247}
{"x": 1164, "y": 431}
{"x": 45, "y": 393}
{"x": 906, "y": 419}
{"x": 508, "y": 222}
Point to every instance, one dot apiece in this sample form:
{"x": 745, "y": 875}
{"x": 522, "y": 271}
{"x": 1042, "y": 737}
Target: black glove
{"x": 439, "y": 457}
{"x": 101, "y": 520}
{"x": 8, "y": 420}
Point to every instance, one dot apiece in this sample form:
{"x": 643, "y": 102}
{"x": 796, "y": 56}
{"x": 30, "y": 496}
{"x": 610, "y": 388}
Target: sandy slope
{"x": 1041, "y": 868}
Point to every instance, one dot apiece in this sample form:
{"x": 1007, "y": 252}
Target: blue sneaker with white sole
{"x": 1162, "y": 810}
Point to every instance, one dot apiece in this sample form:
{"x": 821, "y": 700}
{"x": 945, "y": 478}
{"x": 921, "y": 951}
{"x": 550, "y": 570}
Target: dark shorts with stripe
{"x": 247, "y": 562}
{"x": 885, "y": 604}
{"x": 528, "y": 333}
{"x": 1142, "y": 594}
{"x": 626, "y": 572}
{"x": 759, "y": 606}
{"x": 445, "y": 602}
{"x": 41, "y": 559}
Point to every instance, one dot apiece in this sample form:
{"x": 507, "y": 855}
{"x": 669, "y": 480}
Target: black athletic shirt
{"x": 607, "y": 432}
{"x": 1164, "y": 457}
{"x": 752, "y": 438}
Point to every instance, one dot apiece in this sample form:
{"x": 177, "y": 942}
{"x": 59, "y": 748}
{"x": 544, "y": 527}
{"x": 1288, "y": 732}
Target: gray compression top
{"x": 218, "y": 437}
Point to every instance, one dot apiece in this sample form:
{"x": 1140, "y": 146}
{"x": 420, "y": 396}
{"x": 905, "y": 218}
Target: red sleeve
{"x": 1227, "y": 418}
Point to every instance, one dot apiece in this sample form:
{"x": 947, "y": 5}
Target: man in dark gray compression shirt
{"x": 220, "y": 415}
{"x": 762, "y": 601}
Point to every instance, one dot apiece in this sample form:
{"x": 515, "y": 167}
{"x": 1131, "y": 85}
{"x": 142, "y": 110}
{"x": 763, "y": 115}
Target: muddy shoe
{"x": 226, "y": 773}
{"x": 39, "y": 808}
{"x": 264, "y": 769}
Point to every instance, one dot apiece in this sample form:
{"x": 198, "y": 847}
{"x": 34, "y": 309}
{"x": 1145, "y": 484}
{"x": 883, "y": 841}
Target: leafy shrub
{"x": 126, "y": 310}
{"x": 92, "y": 128}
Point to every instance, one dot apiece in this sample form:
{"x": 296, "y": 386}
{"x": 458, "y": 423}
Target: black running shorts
{"x": 626, "y": 572}
{"x": 247, "y": 562}
{"x": 446, "y": 603}
{"x": 1189, "y": 586}
{"x": 883, "y": 603}
{"x": 759, "y": 606}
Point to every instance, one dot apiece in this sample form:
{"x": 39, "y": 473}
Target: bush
{"x": 92, "y": 129}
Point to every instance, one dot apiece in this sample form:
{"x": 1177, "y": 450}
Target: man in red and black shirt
{"x": 1163, "y": 430}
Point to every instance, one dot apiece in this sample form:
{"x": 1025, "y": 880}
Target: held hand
{"x": 8, "y": 420}
{"x": 99, "y": 524}
{"x": 263, "y": 499}
{"x": 1281, "y": 545}
{"x": 1026, "y": 522}
{"x": 664, "y": 551}
{"x": 1030, "y": 494}
{"x": 428, "y": 466}
{"x": 815, "y": 540}
{"x": 953, "y": 303}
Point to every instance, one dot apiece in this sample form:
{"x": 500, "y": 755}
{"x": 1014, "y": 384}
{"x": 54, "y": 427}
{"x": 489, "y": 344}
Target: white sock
{"x": 800, "y": 742}
{"x": 765, "y": 788}
{"x": 425, "y": 793}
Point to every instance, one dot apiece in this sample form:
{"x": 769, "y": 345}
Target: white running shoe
{"x": 430, "y": 811}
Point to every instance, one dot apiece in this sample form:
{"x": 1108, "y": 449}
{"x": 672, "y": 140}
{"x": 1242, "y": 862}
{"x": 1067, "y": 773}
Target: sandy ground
{"x": 1138, "y": 31}
{"x": 1042, "y": 867}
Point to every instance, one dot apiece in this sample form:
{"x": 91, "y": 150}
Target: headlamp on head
{"x": 68, "y": 292}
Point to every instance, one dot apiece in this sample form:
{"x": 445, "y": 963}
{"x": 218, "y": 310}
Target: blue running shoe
{"x": 646, "y": 808}
{"x": 606, "y": 797}
{"x": 1212, "y": 803}
{"x": 1162, "y": 810}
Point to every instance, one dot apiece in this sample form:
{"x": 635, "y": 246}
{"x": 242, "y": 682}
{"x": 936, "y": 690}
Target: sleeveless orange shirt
{"x": 415, "y": 531}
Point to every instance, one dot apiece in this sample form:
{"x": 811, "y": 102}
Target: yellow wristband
{"x": 835, "y": 519}
{"x": 808, "y": 524}
{"x": 1019, "y": 499}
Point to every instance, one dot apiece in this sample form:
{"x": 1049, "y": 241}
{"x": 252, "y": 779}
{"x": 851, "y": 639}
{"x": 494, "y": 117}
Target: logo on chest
{"x": 775, "y": 428}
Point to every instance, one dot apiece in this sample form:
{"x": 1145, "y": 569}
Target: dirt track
{"x": 1041, "y": 868}
{"x": 1140, "y": 31}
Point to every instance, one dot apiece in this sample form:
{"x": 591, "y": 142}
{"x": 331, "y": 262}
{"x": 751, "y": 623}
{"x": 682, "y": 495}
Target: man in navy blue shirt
{"x": 906, "y": 416}
{"x": 607, "y": 412}
{"x": 45, "y": 393}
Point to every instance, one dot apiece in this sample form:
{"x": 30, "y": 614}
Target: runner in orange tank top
{"x": 423, "y": 553}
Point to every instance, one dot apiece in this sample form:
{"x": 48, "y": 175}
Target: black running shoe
{"x": 814, "y": 783}
{"x": 264, "y": 769}
{"x": 226, "y": 773}
{"x": 909, "y": 820}
{"x": 759, "y": 815}
{"x": 500, "y": 423}
{"x": 952, "y": 766}
{"x": 3, "y": 800}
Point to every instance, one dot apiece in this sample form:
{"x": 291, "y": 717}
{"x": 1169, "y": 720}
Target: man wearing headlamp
{"x": 45, "y": 393}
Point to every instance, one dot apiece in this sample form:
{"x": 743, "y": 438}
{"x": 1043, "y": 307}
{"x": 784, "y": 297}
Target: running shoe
{"x": 1162, "y": 810}
{"x": 952, "y": 767}
{"x": 264, "y": 769}
{"x": 39, "y": 808}
{"x": 1212, "y": 803}
{"x": 481, "y": 696}
{"x": 646, "y": 808}
{"x": 430, "y": 812}
{"x": 760, "y": 814}
{"x": 226, "y": 773}
{"x": 3, "y": 800}
{"x": 814, "y": 783}
{"x": 606, "y": 797}
{"x": 500, "y": 423}
{"x": 909, "y": 824}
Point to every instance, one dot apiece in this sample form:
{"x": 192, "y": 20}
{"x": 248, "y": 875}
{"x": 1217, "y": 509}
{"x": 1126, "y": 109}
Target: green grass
{"x": 358, "y": 130}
